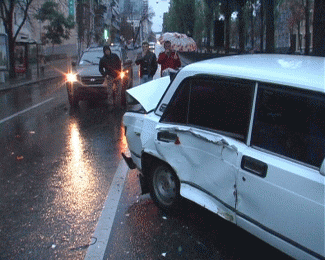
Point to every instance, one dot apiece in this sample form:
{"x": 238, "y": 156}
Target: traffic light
{"x": 106, "y": 34}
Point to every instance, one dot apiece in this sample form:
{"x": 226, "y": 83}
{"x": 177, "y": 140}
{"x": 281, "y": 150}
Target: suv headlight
{"x": 123, "y": 74}
{"x": 71, "y": 77}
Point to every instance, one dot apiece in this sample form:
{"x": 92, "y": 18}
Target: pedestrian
{"x": 168, "y": 59}
{"x": 148, "y": 63}
{"x": 110, "y": 68}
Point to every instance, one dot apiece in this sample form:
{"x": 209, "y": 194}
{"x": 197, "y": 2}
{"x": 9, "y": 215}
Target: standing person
{"x": 148, "y": 63}
{"x": 168, "y": 58}
{"x": 110, "y": 68}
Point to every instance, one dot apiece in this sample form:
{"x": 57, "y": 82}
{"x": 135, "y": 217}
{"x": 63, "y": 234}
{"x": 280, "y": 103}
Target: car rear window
{"x": 290, "y": 123}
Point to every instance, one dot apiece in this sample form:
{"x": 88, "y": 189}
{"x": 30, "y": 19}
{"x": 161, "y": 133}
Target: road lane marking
{"x": 104, "y": 226}
{"x": 25, "y": 110}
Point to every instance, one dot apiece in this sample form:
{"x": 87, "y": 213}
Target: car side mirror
{"x": 74, "y": 64}
{"x": 322, "y": 168}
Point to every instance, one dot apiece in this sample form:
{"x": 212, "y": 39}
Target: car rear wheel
{"x": 164, "y": 187}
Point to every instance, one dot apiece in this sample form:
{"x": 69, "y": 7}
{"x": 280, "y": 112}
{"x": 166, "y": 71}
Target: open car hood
{"x": 149, "y": 94}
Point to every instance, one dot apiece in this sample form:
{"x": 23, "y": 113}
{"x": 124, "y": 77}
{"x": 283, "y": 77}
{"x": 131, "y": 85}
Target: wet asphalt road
{"x": 56, "y": 168}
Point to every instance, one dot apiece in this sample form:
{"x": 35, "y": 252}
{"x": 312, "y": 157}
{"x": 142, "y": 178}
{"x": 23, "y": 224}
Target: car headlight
{"x": 71, "y": 77}
{"x": 123, "y": 74}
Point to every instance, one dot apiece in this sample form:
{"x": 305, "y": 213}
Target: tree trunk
{"x": 269, "y": 48}
{"x": 299, "y": 38}
{"x": 262, "y": 27}
{"x": 227, "y": 23}
{"x": 252, "y": 26}
{"x": 319, "y": 28}
{"x": 241, "y": 26}
{"x": 307, "y": 34}
{"x": 209, "y": 18}
{"x": 12, "y": 72}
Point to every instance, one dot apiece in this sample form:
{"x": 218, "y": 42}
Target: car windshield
{"x": 93, "y": 57}
{"x": 90, "y": 58}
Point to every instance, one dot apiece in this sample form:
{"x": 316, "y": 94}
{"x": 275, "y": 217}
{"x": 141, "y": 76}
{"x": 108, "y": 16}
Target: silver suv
{"x": 85, "y": 82}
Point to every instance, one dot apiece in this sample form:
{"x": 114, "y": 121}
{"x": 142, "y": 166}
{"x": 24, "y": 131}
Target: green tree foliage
{"x": 58, "y": 27}
{"x": 199, "y": 26}
{"x": 7, "y": 10}
{"x": 181, "y": 17}
{"x": 208, "y": 21}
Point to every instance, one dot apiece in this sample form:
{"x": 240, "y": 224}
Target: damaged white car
{"x": 243, "y": 136}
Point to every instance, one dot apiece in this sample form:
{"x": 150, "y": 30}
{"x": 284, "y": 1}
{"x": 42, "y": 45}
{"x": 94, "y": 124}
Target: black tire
{"x": 164, "y": 188}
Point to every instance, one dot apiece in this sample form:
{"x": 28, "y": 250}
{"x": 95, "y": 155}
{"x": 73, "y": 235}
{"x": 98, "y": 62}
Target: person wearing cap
{"x": 110, "y": 68}
{"x": 148, "y": 63}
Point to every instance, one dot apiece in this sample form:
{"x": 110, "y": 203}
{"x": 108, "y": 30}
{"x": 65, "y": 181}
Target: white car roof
{"x": 305, "y": 72}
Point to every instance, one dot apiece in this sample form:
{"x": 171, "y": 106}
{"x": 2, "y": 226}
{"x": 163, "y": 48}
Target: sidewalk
{"x": 52, "y": 69}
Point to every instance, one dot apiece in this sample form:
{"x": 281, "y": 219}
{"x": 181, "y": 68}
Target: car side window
{"x": 290, "y": 123}
{"x": 223, "y": 105}
{"x": 177, "y": 108}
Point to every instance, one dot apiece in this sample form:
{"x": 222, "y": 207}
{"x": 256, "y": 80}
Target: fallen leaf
{"x": 19, "y": 157}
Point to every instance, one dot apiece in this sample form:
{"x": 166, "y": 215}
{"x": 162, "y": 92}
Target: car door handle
{"x": 167, "y": 137}
{"x": 254, "y": 166}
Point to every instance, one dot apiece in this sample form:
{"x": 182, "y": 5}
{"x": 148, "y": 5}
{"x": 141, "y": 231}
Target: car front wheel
{"x": 164, "y": 187}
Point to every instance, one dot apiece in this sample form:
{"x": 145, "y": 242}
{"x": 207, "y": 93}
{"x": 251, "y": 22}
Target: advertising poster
{"x": 4, "y": 54}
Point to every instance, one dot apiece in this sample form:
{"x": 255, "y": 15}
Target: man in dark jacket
{"x": 148, "y": 63}
{"x": 110, "y": 68}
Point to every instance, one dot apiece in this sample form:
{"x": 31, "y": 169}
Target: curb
{"x": 101, "y": 235}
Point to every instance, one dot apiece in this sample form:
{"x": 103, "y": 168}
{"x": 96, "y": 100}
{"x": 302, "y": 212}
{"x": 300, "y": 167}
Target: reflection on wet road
{"x": 56, "y": 168}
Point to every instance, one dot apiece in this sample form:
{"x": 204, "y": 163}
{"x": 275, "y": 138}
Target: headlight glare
{"x": 123, "y": 74}
{"x": 71, "y": 77}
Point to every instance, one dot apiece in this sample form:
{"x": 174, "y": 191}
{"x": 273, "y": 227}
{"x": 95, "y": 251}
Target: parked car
{"x": 244, "y": 137}
{"x": 85, "y": 82}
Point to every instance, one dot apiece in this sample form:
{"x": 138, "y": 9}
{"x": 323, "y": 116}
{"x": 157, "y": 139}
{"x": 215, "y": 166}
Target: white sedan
{"x": 243, "y": 136}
